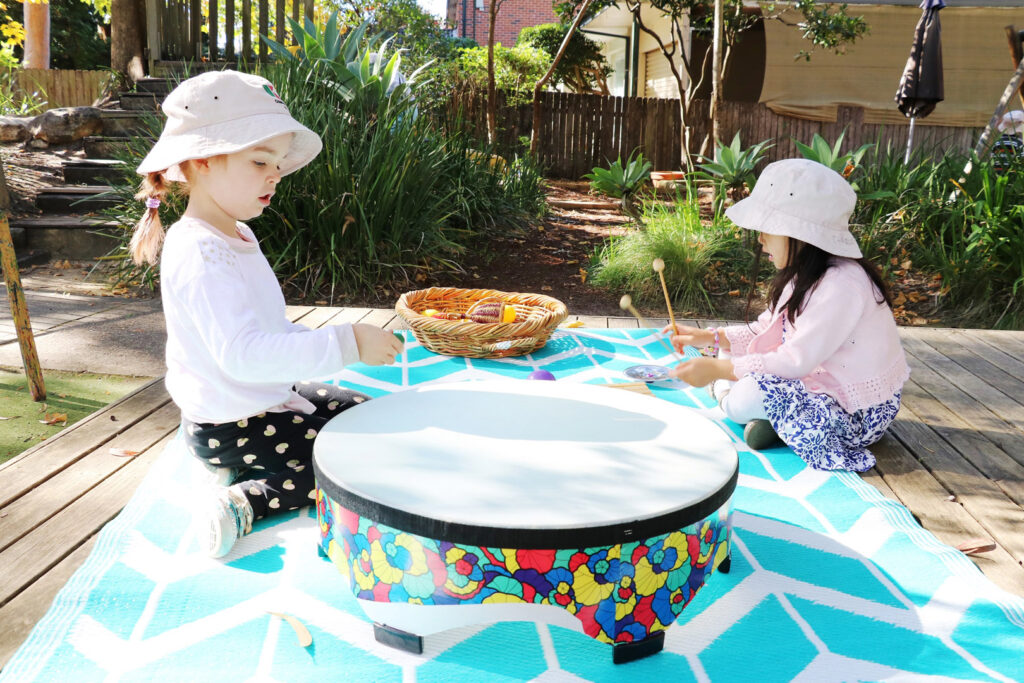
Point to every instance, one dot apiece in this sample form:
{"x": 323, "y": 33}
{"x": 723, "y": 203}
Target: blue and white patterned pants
{"x": 814, "y": 425}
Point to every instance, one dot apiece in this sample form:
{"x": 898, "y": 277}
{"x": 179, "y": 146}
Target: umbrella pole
{"x": 910, "y": 142}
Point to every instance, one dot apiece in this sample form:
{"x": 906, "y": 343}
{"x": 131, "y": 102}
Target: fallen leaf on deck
{"x": 976, "y": 546}
{"x": 305, "y": 639}
{"x": 123, "y": 452}
{"x": 574, "y": 323}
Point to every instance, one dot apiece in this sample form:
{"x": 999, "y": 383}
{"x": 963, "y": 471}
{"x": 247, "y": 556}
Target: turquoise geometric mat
{"x": 830, "y": 581}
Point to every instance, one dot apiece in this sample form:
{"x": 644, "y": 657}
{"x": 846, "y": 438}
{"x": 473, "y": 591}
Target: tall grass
{"x": 677, "y": 235}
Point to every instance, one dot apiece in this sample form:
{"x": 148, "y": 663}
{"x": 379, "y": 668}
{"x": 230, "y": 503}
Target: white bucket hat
{"x": 222, "y": 112}
{"x": 802, "y": 199}
{"x": 1012, "y": 122}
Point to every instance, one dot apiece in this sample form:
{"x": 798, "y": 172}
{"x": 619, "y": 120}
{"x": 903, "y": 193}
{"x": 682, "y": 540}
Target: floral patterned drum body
{"x": 452, "y": 504}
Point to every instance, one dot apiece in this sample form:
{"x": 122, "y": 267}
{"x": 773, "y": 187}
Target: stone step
{"x": 18, "y": 237}
{"x": 75, "y": 199}
{"x": 139, "y": 101}
{"x": 32, "y": 257}
{"x": 92, "y": 171}
{"x": 69, "y": 237}
{"x": 104, "y": 147}
{"x": 123, "y": 123}
{"x": 180, "y": 70}
{"x": 158, "y": 86}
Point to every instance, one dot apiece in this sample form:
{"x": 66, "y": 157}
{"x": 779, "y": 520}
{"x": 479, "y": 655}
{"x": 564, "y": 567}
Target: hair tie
{"x": 152, "y": 203}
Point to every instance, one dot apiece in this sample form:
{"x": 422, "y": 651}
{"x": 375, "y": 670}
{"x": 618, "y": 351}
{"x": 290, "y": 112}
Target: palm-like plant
{"x": 819, "y": 150}
{"x": 621, "y": 180}
{"x": 733, "y": 168}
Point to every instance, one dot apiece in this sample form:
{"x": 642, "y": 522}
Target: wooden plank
{"x": 24, "y": 514}
{"x": 20, "y": 615}
{"x": 990, "y": 387}
{"x": 874, "y": 478}
{"x": 246, "y": 30}
{"x": 296, "y": 313}
{"x": 280, "y": 21}
{"x": 938, "y": 512}
{"x": 320, "y": 316}
{"x": 212, "y": 29}
{"x": 981, "y": 497}
{"x": 1004, "y": 343}
{"x": 264, "y": 28}
{"x": 379, "y": 317}
{"x": 195, "y": 34}
{"x": 351, "y": 315}
{"x": 623, "y": 323}
{"x": 982, "y": 438}
{"x": 33, "y": 466}
{"x": 1001, "y": 371}
{"x": 229, "y": 30}
{"x": 32, "y": 556}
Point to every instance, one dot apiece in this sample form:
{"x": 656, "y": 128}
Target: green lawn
{"x": 67, "y": 393}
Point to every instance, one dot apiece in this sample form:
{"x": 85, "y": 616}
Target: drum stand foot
{"x": 725, "y": 565}
{"x": 628, "y": 652}
{"x": 400, "y": 640}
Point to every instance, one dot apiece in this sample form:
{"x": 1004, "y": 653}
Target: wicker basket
{"x": 537, "y": 316}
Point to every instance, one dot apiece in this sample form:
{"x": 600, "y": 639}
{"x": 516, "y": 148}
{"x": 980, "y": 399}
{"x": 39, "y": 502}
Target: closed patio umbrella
{"x": 921, "y": 85}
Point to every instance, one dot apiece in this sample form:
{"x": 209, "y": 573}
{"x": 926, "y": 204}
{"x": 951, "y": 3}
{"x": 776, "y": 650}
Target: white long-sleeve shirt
{"x": 231, "y": 352}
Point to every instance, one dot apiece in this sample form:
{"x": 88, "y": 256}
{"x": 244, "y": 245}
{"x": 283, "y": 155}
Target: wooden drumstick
{"x": 626, "y": 304}
{"x": 659, "y": 268}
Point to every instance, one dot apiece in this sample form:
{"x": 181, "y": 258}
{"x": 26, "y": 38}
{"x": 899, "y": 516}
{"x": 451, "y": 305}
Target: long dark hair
{"x": 805, "y": 266}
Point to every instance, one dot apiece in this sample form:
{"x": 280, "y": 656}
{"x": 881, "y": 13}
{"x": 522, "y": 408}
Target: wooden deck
{"x": 954, "y": 457}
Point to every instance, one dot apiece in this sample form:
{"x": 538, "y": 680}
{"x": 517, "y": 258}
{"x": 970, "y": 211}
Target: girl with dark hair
{"x": 822, "y": 368}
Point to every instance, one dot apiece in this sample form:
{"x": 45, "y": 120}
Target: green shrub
{"x": 391, "y": 194}
{"x": 676, "y": 234}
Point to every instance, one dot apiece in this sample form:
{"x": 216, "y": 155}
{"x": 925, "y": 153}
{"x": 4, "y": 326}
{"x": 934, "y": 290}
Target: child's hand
{"x": 683, "y": 335}
{"x": 699, "y": 372}
{"x": 376, "y": 346}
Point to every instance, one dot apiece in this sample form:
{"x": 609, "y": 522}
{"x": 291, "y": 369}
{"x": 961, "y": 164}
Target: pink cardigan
{"x": 843, "y": 343}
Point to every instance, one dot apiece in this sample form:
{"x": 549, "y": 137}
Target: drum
{"x": 574, "y": 504}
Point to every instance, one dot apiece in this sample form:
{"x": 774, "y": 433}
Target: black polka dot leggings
{"x": 274, "y": 451}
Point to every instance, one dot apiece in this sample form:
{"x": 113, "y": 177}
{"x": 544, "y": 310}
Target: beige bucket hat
{"x": 802, "y": 199}
{"x": 222, "y": 112}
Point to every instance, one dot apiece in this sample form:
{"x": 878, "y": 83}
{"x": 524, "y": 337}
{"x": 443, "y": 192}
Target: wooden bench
{"x": 954, "y": 457}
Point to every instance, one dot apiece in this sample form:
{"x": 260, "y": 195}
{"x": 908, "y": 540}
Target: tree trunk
{"x": 128, "y": 37}
{"x": 492, "y": 104}
{"x": 37, "y": 35}
{"x": 716, "y": 80}
{"x": 5, "y": 196}
{"x": 539, "y": 85}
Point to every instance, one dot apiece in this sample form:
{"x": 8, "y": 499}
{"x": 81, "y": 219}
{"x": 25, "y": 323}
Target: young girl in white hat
{"x": 823, "y": 367}
{"x": 234, "y": 361}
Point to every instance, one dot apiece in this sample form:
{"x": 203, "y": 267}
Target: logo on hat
{"x": 272, "y": 91}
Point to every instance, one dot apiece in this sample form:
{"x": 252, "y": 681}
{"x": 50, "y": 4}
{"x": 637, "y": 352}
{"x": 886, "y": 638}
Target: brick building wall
{"x": 513, "y": 16}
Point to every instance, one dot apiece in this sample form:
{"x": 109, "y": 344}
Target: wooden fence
{"x": 579, "y": 132}
{"x": 176, "y": 28}
{"x": 61, "y": 87}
